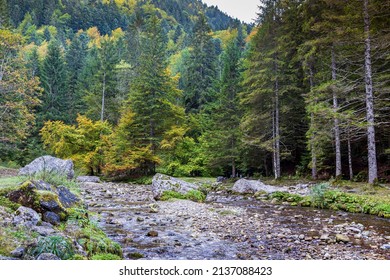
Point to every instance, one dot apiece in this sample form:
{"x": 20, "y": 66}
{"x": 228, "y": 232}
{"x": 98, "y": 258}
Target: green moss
{"x": 135, "y": 256}
{"x": 8, "y": 204}
{"x": 193, "y": 195}
{"x": 196, "y": 196}
{"x": 95, "y": 241}
{"x": 78, "y": 257}
{"x": 167, "y": 195}
{"x": 106, "y": 257}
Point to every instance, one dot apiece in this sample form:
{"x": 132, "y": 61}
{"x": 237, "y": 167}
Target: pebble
{"x": 385, "y": 247}
{"x": 342, "y": 238}
{"x": 152, "y": 233}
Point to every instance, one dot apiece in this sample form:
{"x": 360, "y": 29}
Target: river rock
{"x": 161, "y": 183}
{"x": 51, "y": 218}
{"x": 385, "y": 247}
{"x": 47, "y": 257}
{"x": 88, "y": 179}
{"x": 342, "y": 238}
{"x": 26, "y": 217}
{"x": 244, "y": 186}
{"x": 65, "y": 196}
{"x": 49, "y": 164}
{"x": 18, "y": 252}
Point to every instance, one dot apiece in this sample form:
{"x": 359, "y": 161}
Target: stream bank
{"x": 231, "y": 227}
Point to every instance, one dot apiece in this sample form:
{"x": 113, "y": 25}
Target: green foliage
{"x": 5, "y": 202}
{"x": 167, "y": 195}
{"x": 84, "y": 143}
{"x": 318, "y": 193}
{"x": 18, "y": 91}
{"x": 101, "y": 257}
{"x": 193, "y": 195}
{"x": 55, "y": 105}
{"x": 196, "y": 196}
{"x": 95, "y": 241}
{"x": 199, "y": 78}
{"x": 57, "y": 245}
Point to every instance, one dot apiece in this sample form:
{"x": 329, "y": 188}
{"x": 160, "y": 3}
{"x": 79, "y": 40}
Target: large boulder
{"x": 49, "y": 164}
{"x": 244, "y": 186}
{"x": 162, "y": 183}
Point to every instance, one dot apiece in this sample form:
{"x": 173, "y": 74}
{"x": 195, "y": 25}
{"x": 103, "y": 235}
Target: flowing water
{"x": 230, "y": 227}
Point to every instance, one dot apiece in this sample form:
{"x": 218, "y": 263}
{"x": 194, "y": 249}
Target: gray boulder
{"x": 88, "y": 179}
{"x": 51, "y": 218}
{"x": 18, "y": 252}
{"x": 26, "y": 217}
{"x": 49, "y": 164}
{"x": 161, "y": 183}
{"x": 244, "y": 186}
{"x": 65, "y": 196}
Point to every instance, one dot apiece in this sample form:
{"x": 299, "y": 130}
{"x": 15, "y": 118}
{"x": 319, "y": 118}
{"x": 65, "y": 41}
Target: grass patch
{"x": 193, "y": 195}
{"x": 6, "y": 182}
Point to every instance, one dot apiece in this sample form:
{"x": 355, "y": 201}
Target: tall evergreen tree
{"x": 151, "y": 111}
{"x": 223, "y": 137}
{"x": 200, "y": 75}
{"x": 55, "y": 105}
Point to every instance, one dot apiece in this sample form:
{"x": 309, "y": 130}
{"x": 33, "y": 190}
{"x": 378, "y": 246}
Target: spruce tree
{"x": 55, "y": 105}
{"x": 200, "y": 75}
{"x": 222, "y": 139}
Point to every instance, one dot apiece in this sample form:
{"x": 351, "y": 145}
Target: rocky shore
{"x": 231, "y": 227}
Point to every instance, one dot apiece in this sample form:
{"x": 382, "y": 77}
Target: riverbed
{"x": 231, "y": 227}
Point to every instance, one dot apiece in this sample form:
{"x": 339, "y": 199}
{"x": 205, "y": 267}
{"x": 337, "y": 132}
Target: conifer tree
{"x": 200, "y": 75}
{"x": 55, "y": 105}
{"x": 222, "y": 139}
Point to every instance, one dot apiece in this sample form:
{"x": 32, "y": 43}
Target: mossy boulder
{"x": 51, "y": 199}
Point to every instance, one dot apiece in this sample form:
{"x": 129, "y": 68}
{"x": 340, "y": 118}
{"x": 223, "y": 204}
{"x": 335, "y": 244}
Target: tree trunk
{"x": 277, "y": 131}
{"x": 336, "y": 120}
{"x": 372, "y": 163}
{"x": 233, "y": 160}
{"x": 312, "y": 144}
{"x": 103, "y": 97}
{"x": 350, "y": 156}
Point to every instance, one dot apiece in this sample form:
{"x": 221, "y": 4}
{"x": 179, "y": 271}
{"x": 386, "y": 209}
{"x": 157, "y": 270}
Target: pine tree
{"x": 200, "y": 76}
{"x": 75, "y": 60}
{"x": 150, "y": 112}
{"x": 55, "y": 104}
{"x": 222, "y": 139}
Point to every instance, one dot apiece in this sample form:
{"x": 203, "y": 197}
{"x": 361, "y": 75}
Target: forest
{"x": 128, "y": 88}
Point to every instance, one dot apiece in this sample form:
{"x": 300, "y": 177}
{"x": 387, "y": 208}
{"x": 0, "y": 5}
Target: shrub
{"x": 57, "y": 245}
{"x": 318, "y": 194}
